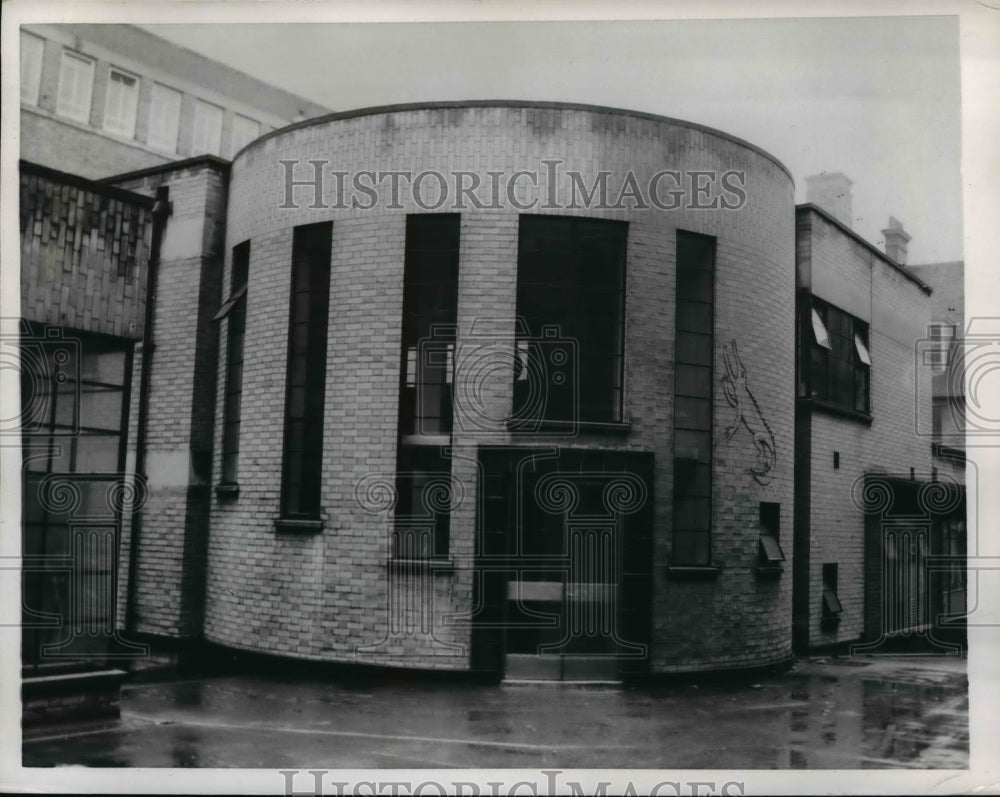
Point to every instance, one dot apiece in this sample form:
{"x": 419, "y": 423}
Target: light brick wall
{"x": 849, "y": 275}
{"x": 322, "y": 596}
{"x": 169, "y": 579}
{"x": 47, "y": 141}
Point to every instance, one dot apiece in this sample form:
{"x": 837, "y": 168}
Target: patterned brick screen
{"x": 84, "y": 250}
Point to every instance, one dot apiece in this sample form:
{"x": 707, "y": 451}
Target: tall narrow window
{"x": 83, "y": 384}
{"x": 121, "y": 103}
{"x": 235, "y": 309}
{"x": 693, "y": 350}
{"x": 32, "y": 51}
{"x": 76, "y": 83}
{"x": 164, "y": 118}
{"x": 207, "y": 135}
{"x": 423, "y": 473}
{"x": 306, "y": 377}
{"x": 430, "y": 296}
{"x": 244, "y": 131}
{"x": 570, "y": 296}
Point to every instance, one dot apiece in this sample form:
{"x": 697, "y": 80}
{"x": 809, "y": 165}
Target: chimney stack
{"x": 895, "y": 241}
{"x": 832, "y": 192}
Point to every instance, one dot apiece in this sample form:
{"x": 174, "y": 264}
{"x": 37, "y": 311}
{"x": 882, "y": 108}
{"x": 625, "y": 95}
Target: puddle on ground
{"x": 798, "y": 720}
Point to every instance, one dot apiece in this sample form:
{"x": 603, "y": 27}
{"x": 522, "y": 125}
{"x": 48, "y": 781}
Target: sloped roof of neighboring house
{"x": 948, "y": 306}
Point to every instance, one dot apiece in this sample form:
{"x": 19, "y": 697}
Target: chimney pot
{"x": 896, "y": 240}
{"x": 831, "y": 192}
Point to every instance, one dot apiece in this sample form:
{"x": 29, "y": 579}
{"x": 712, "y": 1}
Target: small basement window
{"x": 832, "y": 607}
{"x": 770, "y": 555}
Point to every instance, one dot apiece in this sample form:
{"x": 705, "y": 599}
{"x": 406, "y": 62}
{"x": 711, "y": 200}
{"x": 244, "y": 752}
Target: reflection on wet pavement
{"x": 820, "y": 716}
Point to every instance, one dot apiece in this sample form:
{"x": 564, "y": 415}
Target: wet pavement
{"x": 851, "y": 713}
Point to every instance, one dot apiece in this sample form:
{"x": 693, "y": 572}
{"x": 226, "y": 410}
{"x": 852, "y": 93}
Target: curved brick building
{"x": 509, "y": 388}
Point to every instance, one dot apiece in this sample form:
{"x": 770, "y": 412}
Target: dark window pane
{"x": 693, "y": 376}
{"x": 843, "y": 383}
{"x": 100, "y": 407}
{"x": 570, "y": 276}
{"x": 104, "y": 366}
{"x": 818, "y": 372}
{"x": 97, "y": 453}
{"x": 692, "y": 477}
{"x": 430, "y": 292}
{"x": 695, "y": 285}
{"x": 693, "y": 413}
{"x": 691, "y": 380}
{"x": 690, "y": 548}
{"x": 691, "y": 513}
{"x": 306, "y": 378}
{"x": 67, "y": 399}
{"x": 861, "y": 389}
{"x": 693, "y": 348}
{"x": 694, "y": 316}
{"x": 423, "y": 487}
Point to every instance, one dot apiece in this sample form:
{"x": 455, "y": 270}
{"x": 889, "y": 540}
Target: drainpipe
{"x": 162, "y": 208}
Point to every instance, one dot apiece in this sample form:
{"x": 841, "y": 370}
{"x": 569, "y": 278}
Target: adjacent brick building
{"x": 524, "y": 389}
{"x": 86, "y": 250}
{"x": 872, "y": 507}
{"x": 103, "y": 99}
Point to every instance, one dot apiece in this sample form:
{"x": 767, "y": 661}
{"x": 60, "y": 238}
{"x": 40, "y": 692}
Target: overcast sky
{"x": 877, "y": 98}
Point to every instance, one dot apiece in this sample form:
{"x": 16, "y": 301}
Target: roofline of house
{"x": 97, "y": 186}
{"x": 375, "y": 110}
{"x": 198, "y": 160}
{"x": 809, "y": 206}
{"x": 249, "y": 85}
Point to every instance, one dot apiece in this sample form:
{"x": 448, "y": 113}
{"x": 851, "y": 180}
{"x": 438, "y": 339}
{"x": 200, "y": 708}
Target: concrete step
{"x": 71, "y": 697}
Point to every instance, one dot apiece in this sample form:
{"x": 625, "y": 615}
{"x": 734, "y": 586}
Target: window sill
{"x": 437, "y": 565}
{"x": 297, "y": 526}
{"x": 693, "y": 572}
{"x": 835, "y": 409}
{"x": 226, "y": 490}
{"x": 527, "y": 426}
{"x": 770, "y": 571}
{"x": 425, "y": 439}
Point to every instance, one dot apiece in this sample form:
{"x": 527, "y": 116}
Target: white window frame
{"x": 200, "y": 133}
{"x": 239, "y": 137}
{"x": 121, "y": 120}
{"x": 160, "y": 121}
{"x": 74, "y": 101}
{"x": 32, "y": 57}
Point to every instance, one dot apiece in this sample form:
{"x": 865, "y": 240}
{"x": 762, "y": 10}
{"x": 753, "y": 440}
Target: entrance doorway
{"x": 571, "y": 531}
{"x": 914, "y": 563}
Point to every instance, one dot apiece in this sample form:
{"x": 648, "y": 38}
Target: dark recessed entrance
{"x": 564, "y": 567}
